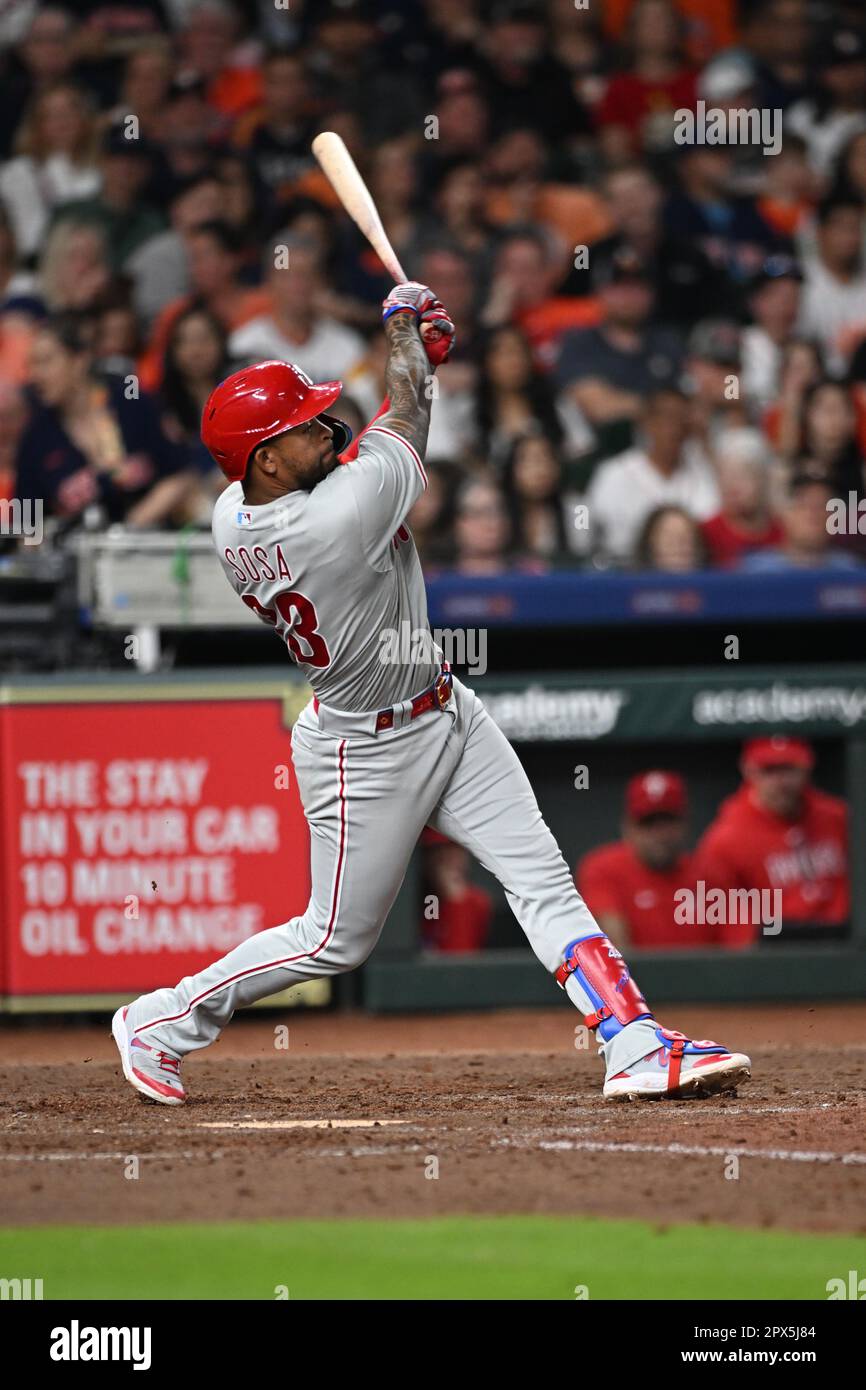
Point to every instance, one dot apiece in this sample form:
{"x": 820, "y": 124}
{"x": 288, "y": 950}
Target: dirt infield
{"x": 502, "y": 1106}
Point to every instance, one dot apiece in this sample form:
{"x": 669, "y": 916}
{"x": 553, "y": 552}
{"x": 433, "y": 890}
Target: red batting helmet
{"x": 259, "y": 403}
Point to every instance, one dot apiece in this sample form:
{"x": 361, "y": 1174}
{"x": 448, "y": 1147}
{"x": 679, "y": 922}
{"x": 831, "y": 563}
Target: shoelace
{"x": 672, "y": 1034}
{"x": 169, "y": 1063}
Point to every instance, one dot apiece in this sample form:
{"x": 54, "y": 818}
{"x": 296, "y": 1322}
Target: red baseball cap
{"x": 655, "y": 794}
{"x": 778, "y": 751}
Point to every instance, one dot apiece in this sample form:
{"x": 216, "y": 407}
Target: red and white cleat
{"x": 152, "y": 1071}
{"x": 679, "y": 1067}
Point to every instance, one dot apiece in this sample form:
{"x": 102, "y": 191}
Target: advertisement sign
{"x": 698, "y": 704}
{"x": 142, "y": 839}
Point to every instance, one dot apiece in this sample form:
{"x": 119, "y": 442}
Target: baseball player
{"x": 321, "y": 553}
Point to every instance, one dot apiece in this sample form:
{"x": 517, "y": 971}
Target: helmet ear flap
{"x": 342, "y": 432}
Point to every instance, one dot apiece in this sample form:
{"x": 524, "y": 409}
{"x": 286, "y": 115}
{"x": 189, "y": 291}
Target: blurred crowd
{"x": 661, "y": 354}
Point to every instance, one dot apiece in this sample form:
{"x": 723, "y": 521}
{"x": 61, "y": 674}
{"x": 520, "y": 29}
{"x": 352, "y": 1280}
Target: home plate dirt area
{"x": 356, "y": 1116}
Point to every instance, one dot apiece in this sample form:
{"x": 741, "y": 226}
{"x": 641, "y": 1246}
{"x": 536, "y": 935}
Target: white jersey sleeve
{"x": 386, "y": 479}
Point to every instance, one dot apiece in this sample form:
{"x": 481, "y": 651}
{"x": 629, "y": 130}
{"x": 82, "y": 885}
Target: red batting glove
{"x": 438, "y": 333}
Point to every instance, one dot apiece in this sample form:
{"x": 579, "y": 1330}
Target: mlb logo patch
{"x": 244, "y": 518}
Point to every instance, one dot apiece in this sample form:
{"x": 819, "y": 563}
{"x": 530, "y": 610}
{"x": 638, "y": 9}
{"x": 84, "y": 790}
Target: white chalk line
{"x": 546, "y": 1145}
{"x": 384, "y": 1152}
{"x": 674, "y": 1114}
{"x": 528, "y": 1140}
{"x": 684, "y": 1150}
{"x": 201, "y": 1155}
{"x": 111, "y": 1157}
{"x": 597, "y": 1146}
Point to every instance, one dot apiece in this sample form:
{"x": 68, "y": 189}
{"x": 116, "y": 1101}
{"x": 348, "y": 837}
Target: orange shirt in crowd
{"x": 235, "y": 90}
{"x": 786, "y": 218}
{"x": 544, "y": 324}
{"x": 710, "y": 25}
{"x": 463, "y": 923}
{"x": 613, "y": 881}
{"x": 558, "y": 206}
{"x": 16, "y": 340}
{"x": 748, "y": 846}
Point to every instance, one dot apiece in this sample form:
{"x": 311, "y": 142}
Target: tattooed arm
{"x": 387, "y": 476}
{"x": 407, "y": 373}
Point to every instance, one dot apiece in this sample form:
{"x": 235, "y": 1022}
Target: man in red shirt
{"x": 629, "y": 886}
{"x": 744, "y": 522}
{"x": 457, "y": 913}
{"x": 636, "y": 112}
{"x": 779, "y": 832}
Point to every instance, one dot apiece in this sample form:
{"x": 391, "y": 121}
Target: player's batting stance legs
{"x": 454, "y": 769}
{"x": 490, "y": 808}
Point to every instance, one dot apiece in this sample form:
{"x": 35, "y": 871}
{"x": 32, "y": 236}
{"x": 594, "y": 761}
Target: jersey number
{"x": 299, "y": 615}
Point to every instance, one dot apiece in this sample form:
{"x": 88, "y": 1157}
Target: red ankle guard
{"x": 606, "y": 980}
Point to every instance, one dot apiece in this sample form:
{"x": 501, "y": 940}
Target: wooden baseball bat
{"x": 342, "y": 173}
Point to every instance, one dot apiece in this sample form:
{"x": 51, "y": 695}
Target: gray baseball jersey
{"x": 336, "y": 572}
